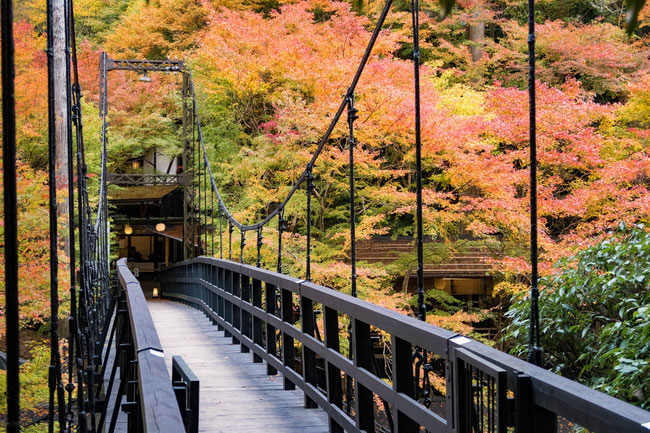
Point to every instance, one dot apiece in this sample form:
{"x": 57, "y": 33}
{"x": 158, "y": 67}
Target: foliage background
{"x": 270, "y": 72}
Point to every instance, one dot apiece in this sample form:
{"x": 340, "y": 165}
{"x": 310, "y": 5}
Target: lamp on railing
{"x": 160, "y": 227}
{"x": 155, "y": 292}
{"x": 145, "y": 78}
{"x": 128, "y": 229}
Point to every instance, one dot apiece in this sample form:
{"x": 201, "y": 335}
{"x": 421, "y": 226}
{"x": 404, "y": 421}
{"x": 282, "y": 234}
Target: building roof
{"x": 471, "y": 262}
{"x": 140, "y": 193}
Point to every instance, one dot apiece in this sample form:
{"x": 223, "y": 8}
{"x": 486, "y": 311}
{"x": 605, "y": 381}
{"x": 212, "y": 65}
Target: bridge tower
{"x": 185, "y": 175}
{"x": 189, "y": 218}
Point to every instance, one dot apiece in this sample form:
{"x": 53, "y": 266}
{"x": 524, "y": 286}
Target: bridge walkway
{"x": 236, "y": 395}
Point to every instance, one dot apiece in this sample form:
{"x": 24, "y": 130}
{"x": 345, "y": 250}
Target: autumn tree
{"x": 157, "y": 29}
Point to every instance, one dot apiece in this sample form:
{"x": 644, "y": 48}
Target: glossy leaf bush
{"x": 595, "y": 316}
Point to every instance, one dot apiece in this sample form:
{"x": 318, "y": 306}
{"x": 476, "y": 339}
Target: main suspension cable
{"x": 321, "y": 143}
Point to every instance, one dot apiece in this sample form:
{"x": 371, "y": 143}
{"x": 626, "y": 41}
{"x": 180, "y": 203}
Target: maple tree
{"x": 270, "y": 74}
{"x": 474, "y": 143}
{"x": 157, "y": 29}
{"x": 34, "y": 244}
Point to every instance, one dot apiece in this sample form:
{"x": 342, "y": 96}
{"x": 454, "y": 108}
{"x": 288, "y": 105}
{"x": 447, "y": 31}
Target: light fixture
{"x": 145, "y": 78}
{"x": 160, "y": 227}
{"x": 128, "y": 229}
{"x": 155, "y": 292}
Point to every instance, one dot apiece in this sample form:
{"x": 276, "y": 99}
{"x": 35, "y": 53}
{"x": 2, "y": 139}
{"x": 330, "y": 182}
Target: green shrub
{"x": 595, "y": 316}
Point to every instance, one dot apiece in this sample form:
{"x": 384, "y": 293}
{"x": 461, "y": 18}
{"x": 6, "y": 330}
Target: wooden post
{"x": 166, "y": 251}
{"x": 61, "y": 111}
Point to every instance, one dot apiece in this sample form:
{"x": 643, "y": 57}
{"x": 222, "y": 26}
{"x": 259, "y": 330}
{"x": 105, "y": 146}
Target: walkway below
{"x": 236, "y": 395}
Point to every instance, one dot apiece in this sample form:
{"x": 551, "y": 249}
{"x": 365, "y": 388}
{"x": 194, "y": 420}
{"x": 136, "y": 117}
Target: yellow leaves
{"x": 367, "y": 227}
{"x": 460, "y": 322}
{"x": 462, "y": 100}
{"x": 636, "y": 112}
{"x": 158, "y": 29}
{"x": 507, "y": 290}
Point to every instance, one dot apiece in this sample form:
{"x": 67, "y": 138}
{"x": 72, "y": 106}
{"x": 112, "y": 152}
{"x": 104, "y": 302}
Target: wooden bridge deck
{"x": 236, "y": 395}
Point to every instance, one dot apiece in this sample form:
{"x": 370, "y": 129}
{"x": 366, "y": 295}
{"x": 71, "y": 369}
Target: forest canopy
{"x": 270, "y": 74}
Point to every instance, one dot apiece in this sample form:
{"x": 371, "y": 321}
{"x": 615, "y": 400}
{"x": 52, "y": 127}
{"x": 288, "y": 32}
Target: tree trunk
{"x": 405, "y": 281}
{"x": 476, "y": 32}
{"x": 61, "y": 113}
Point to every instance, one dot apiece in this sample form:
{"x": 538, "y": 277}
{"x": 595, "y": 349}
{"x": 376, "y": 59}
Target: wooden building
{"x": 147, "y": 209}
{"x": 465, "y": 274}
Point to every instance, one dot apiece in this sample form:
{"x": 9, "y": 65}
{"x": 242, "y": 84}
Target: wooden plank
{"x": 159, "y": 407}
{"x": 236, "y": 395}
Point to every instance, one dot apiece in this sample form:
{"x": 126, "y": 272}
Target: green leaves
{"x": 594, "y": 316}
{"x": 633, "y": 9}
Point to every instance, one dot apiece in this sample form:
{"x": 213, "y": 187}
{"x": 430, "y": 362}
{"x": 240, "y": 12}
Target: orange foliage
{"x": 33, "y": 249}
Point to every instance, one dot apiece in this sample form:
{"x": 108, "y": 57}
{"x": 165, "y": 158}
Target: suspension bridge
{"x": 226, "y": 346}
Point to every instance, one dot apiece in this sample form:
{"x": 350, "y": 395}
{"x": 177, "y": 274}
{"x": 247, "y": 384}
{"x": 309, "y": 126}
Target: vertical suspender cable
{"x": 310, "y": 187}
{"x": 241, "y": 246}
{"x": 259, "y": 246}
{"x": 71, "y": 221}
{"x": 534, "y": 349}
{"x": 352, "y": 116}
{"x": 194, "y": 237}
{"x": 10, "y": 216}
{"x": 197, "y": 174}
{"x": 212, "y": 218}
{"x": 280, "y": 230}
{"x": 205, "y": 200}
{"x": 220, "y": 234}
{"x": 230, "y": 230}
{"x": 415, "y": 13}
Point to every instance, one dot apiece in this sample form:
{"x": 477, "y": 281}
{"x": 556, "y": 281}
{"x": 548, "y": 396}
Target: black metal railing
{"x": 484, "y": 390}
{"x": 145, "y": 390}
{"x": 186, "y": 388}
{"x": 146, "y": 179}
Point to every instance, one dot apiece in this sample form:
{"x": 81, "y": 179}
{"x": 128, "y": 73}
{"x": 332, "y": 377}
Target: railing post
{"x": 364, "y": 399}
{"x": 221, "y": 272}
{"x": 403, "y": 381}
{"x": 241, "y": 246}
{"x": 227, "y": 286}
{"x": 245, "y": 324}
{"x": 220, "y": 235}
{"x": 352, "y": 116}
{"x": 259, "y": 246}
{"x": 286, "y": 300}
{"x": 333, "y": 374}
{"x": 230, "y": 230}
{"x": 271, "y": 341}
{"x": 309, "y": 373}
{"x": 186, "y": 388}
{"x": 212, "y": 296}
{"x": 236, "y": 311}
{"x": 257, "y": 322}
